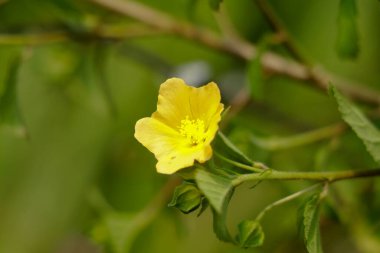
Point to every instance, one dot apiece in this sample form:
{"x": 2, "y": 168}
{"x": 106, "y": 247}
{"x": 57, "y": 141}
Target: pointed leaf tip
{"x": 359, "y": 123}
{"x": 310, "y": 214}
{"x": 250, "y": 234}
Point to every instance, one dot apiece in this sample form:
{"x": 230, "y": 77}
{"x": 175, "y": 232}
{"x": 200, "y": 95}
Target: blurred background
{"x": 75, "y": 76}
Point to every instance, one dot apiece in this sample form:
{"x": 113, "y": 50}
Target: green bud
{"x": 186, "y": 198}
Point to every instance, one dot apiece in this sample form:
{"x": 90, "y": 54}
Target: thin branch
{"x": 323, "y": 176}
{"x": 237, "y": 164}
{"x": 277, "y": 143}
{"x": 124, "y": 32}
{"x": 170, "y": 25}
{"x": 285, "y": 200}
{"x": 271, "y": 62}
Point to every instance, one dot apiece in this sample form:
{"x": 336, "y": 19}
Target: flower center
{"x": 193, "y": 130}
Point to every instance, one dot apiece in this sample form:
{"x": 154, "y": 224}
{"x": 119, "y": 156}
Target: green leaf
{"x": 204, "y": 205}
{"x": 312, "y": 234}
{"x": 218, "y": 190}
{"x": 250, "y": 234}
{"x": 215, "y": 187}
{"x": 186, "y": 198}
{"x": 347, "y": 40}
{"x": 363, "y": 128}
{"x": 220, "y": 220}
{"x": 187, "y": 174}
{"x": 215, "y": 4}
{"x": 225, "y": 147}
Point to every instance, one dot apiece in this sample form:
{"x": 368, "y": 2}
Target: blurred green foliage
{"x": 75, "y": 77}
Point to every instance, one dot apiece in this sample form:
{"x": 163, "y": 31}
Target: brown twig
{"x": 166, "y": 23}
{"x": 271, "y": 62}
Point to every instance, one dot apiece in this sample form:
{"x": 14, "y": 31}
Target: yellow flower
{"x": 182, "y": 128}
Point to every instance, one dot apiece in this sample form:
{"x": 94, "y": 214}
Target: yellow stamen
{"x": 193, "y": 130}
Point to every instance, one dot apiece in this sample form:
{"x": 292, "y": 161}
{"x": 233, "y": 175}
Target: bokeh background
{"x": 75, "y": 76}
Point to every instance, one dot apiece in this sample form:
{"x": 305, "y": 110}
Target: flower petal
{"x": 157, "y": 137}
{"x": 171, "y": 151}
{"x": 205, "y": 102}
{"x": 177, "y": 100}
{"x": 213, "y": 124}
{"x": 180, "y": 160}
{"x": 161, "y": 133}
{"x": 173, "y": 102}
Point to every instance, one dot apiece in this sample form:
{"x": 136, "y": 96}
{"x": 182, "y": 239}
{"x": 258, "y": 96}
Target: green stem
{"x": 256, "y": 167}
{"x": 325, "y": 176}
{"x": 278, "y": 143}
{"x": 284, "y": 200}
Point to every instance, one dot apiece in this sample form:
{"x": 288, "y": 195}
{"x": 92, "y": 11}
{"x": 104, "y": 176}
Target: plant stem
{"x": 284, "y": 200}
{"x": 278, "y": 143}
{"x": 253, "y": 168}
{"x": 326, "y": 176}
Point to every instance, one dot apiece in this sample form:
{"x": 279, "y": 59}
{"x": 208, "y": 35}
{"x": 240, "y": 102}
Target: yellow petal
{"x": 205, "y": 102}
{"x": 180, "y": 160}
{"x": 177, "y": 100}
{"x": 173, "y": 102}
{"x": 157, "y": 137}
{"x": 181, "y": 130}
{"x": 213, "y": 124}
{"x": 171, "y": 151}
